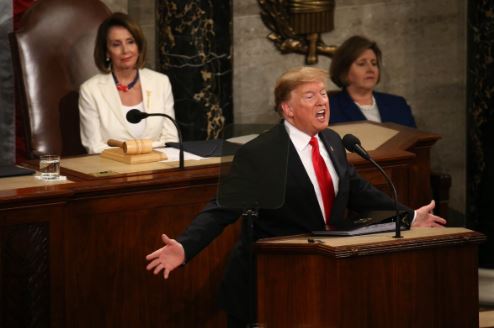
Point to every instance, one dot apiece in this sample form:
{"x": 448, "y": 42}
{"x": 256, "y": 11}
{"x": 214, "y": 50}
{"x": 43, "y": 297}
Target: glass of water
{"x": 49, "y": 167}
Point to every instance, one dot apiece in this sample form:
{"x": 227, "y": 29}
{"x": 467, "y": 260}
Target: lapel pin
{"x": 148, "y": 98}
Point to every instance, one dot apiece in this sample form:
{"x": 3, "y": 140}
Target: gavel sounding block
{"x": 118, "y": 154}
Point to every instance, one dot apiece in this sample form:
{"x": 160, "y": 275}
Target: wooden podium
{"x": 426, "y": 279}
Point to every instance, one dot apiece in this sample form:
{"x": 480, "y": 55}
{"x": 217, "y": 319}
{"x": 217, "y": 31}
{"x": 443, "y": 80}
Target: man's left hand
{"x": 425, "y": 218}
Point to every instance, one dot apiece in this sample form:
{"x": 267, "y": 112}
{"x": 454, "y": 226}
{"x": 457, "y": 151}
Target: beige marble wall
{"x": 424, "y": 49}
{"x": 116, "y": 5}
{"x": 143, "y": 12}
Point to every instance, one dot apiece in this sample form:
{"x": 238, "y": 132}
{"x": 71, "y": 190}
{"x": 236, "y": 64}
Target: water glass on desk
{"x": 49, "y": 167}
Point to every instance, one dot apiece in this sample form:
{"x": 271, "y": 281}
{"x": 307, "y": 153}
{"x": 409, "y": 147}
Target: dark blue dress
{"x": 391, "y": 108}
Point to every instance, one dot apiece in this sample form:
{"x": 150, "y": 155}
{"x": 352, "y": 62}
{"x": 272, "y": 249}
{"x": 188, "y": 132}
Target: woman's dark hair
{"x": 100, "y": 47}
{"x": 346, "y": 54}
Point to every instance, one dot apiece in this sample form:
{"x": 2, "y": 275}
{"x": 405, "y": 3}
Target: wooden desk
{"x": 72, "y": 255}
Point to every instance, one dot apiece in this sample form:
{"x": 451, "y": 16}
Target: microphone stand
{"x": 395, "y": 197}
{"x": 249, "y": 215}
{"x": 180, "y": 142}
{"x": 352, "y": 144}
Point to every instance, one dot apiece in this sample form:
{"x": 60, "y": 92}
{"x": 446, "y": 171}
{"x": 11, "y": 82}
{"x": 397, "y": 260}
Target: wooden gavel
{"x": 134, "y": 146}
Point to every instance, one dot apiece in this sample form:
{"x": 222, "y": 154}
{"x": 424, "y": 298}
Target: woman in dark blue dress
{"x": 355, "y": 68}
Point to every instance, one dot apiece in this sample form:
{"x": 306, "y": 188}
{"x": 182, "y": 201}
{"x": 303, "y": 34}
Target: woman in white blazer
{"x": 123, "y": 84}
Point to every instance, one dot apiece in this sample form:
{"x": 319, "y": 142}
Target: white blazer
{"x": 102, "y": 116}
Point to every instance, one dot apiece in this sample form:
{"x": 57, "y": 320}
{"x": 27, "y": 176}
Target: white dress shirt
{"x": 371, "y": 112}
{"x": 135, "y": 129}
{"x": 301, "y": 142}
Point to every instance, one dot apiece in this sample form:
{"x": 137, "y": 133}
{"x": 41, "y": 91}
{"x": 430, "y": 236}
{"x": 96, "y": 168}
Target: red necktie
{"x": 323, "y": 179}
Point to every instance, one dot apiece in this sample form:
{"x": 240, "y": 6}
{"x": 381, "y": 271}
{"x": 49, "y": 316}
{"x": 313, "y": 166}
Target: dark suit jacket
{"x": 299, "y": 212}
{"x": 392, "y": 109}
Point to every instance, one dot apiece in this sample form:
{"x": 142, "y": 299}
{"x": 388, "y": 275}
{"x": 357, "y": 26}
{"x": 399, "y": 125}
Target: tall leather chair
{"x": 52, "y": 55}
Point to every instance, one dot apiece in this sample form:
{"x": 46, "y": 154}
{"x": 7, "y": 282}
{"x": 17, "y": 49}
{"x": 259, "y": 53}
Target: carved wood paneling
{"x": 25, "y": 275}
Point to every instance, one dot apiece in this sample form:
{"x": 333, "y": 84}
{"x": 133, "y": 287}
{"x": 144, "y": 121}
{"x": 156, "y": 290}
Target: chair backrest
{"x": 52, "y": 54}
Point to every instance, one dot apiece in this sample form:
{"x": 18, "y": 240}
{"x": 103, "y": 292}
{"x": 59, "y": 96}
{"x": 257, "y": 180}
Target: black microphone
{"x": 352, "y": 144}
{"x": 135, "y": 116}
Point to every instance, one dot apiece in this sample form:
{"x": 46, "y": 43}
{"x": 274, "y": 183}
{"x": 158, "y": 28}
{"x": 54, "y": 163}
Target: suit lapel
{"x": 149, "y": 99}
{"x": 297, "y": 168}
{"x": 351, "y": 110}
{"x": 385, "y": 111}
{"x": 339, "y": 167}
{"x": 299, "y": 184}
{"x": 147, "y": 92}
{"x": 110, "y": 95}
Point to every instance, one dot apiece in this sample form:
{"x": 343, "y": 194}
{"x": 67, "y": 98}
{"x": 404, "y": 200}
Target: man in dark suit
{"x": 312, "y": 198}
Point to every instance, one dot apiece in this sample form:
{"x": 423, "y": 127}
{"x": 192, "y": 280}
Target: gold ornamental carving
{"x": 296, "y": 26}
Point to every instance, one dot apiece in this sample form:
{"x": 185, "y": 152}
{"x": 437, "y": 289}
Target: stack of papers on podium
{"x": 372, "y": 222}
{"x": 365, "y": 230}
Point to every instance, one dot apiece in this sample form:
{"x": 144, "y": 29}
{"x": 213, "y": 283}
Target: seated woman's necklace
{"x": 125, "y": 88}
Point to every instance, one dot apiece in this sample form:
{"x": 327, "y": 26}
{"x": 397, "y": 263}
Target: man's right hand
{"x": 166, "y": 258}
